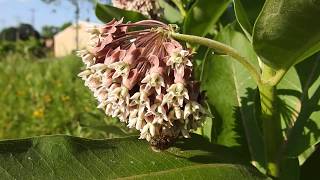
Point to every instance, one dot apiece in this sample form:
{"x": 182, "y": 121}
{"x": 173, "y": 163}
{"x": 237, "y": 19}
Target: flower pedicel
{"x": 143, "y": 77}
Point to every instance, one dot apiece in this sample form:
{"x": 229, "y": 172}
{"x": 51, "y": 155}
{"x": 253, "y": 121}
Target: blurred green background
{"x": 45, "y": 96}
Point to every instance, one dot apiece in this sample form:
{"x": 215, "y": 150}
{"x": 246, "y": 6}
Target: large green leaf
{"x": 106, "y": 13}
{"x": 171, "y": 14}
{"x": 206, "y": 130}
{"x": 203, "y": 15}
{"x": 65, "y": 157}
{"x": 299, "y": 92}
{"x": 303, "y": 157}
{"x": 286, "y": 32}
{"x": 247, "y": 12}
{"x": 232, "y": 96}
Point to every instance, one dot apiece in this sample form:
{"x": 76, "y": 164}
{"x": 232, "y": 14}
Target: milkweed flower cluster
{"x": 148, "y": 8}
{"x": 144, "y": 78}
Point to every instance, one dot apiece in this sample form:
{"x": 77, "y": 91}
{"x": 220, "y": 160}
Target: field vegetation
{"x": 46, "y": 97}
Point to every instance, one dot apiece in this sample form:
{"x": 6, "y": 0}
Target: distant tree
{"x": 49, "y": 31}
{"x": 22, "y": 32}
{"x": 26, "y": 31}
{"x": 65, "y": 25}
{"x": 9, "y": 34}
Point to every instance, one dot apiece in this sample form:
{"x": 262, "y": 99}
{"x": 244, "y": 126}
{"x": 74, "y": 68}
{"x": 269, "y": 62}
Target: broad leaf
{"x": 109, "y": 125}
{"x": 187, "y": 3}
{"x": 106, "y": 13}
{"x": 232, "y": 96}
{"x": 286, "y": 32}
{"x": 171, "y": 14}
{"x": 206, "y": 130}
{"x": 247, "y": 12}
{"x": 65, "y": 157}
{"x": 198, "y": 66}
{"x": 300, "y": 94}
{"x": 203, "y": 15}
{"x": 227, "y": 17}
{"x": 303, "y": 157}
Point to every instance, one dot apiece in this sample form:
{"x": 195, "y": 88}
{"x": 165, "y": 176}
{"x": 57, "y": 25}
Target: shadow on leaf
{"x": 306, "y": 128}
{"x": 211, "y": 153}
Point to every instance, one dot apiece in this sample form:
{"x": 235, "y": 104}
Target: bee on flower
{"x": 144, "y": 78}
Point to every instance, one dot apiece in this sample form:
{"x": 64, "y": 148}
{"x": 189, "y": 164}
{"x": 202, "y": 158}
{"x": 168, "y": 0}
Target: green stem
{"x": 221, "y": 48}
{"x": 179, "y": 5}
{"x": 270, "y": 121}
{"x": 277, "y": 77}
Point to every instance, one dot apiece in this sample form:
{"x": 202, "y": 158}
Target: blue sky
{"x": 13, "y": 12}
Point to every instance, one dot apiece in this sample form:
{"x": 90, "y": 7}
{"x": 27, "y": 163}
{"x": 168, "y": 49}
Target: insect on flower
{"x": 142, "y": 76}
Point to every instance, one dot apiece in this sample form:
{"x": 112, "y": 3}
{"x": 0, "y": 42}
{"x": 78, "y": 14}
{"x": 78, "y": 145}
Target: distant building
{"x": 65, "y": 41}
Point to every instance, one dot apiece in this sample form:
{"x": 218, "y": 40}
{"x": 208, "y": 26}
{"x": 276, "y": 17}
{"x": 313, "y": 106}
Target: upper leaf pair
{"x": 284, "y": 32}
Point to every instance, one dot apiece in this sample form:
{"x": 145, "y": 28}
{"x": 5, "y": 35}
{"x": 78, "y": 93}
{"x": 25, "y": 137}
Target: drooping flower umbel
{"x": 143, "y": 77}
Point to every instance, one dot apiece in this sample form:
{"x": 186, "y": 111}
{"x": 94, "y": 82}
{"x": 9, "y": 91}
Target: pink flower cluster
{"x": 143, "y": 77}
{"x": 148, "y": 8}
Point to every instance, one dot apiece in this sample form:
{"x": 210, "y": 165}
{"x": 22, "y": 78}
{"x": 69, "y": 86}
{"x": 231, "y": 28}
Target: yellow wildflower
{"x": 38, "y": 113}
{"x": 65, "y": 98}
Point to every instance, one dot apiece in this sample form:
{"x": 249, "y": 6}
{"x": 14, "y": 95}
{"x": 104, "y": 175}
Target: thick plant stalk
{"x": 271, "y": 122}
{"x": 276, "y": 78}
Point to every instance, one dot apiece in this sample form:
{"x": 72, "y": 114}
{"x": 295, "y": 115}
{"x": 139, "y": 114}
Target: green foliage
{"x": 232, "y": 97}
{"x": 22, "y": 41}
{"x": 6, "y": 47}
{"x": 64, "y": 157}
{"x": 46, "y": 97}
{"x": 49, "y": 31}
{"x": 276, "y": 36}
{"x": 300, "y": 94}
{"x": 247, "y": 12}
{"x": 21, "y": 32}
{"x": 286, "y": 32}
{"x": 203, "y": 15}
{"x": 296, "y": 102}
{"x": 9, "y": 34}
{"x": 106, "y": 13}
{"x": 28, "y": 49}
{"x": 170, "y": 13}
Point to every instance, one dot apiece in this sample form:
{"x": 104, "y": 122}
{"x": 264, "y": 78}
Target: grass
{"x": 46, "y": 97}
